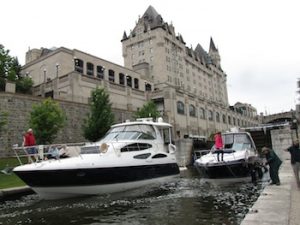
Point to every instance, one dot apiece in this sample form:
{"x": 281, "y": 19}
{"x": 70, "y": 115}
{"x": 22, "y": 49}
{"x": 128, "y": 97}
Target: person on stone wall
{"x": 29, "y": 144}
{"x": 274, "y": 163}
{"x": 219, "y": 145}
{"x": 295, "y": 159}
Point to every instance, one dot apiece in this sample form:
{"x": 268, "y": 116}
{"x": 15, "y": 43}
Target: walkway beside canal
{"x": 277, "y": 205}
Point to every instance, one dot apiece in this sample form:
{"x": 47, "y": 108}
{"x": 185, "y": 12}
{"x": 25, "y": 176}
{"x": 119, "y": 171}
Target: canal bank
{"x": 16, "y": 191}
{"x": 277, "y": 205}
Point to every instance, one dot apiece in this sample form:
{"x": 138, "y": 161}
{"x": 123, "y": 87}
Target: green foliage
{"x": 12, "y": 180}
{"x": 3, "y": 120}
{"x": 24, "y": 85}
{"x": 149, "y": 109}
{"x": 46, "y": 120}
{"x": 10, "y": 70}
{"x": 100, "y": 118}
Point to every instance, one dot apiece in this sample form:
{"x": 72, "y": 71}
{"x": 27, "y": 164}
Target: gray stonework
{"x": 184, "y": 152}
{"x": 19, "y": 107}
{"x": 281, "y": 139}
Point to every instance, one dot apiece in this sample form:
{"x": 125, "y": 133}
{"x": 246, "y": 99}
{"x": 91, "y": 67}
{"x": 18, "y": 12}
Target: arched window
{"x": 192, "y": 111}
{"x": 148, "y": 87}
{"x": 229, "y": 120}
{"x": 90, "y": 69}
{"x": 180, "y": 107}
{"x": 78, "y": 65}
{"x": 233, "y": 119}
{"x": 224, "y": 118}
{"x": 218, "y": 117}
{"x": 121, "y": 79}
{"x": 111, "y": 75}
{"x": 210, "y": 115}
{"x": 136, "y": 83}
{"x": 129, "y": 81}
{"x": 100, "y": 72}
{"x": 202, "y": 113}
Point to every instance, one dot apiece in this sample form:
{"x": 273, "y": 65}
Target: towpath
{"x": 277, "y": 205}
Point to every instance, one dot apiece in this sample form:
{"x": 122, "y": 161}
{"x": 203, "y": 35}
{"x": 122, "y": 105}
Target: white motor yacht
{"x": 131, "y": 155}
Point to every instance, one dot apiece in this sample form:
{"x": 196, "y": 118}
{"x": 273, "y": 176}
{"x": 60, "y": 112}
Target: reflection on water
{"x": 187, "y": 200}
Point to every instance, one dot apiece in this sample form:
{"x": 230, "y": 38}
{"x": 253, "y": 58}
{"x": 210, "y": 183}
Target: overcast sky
{"x": 258, "y": 40}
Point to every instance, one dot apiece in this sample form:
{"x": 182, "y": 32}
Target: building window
{"x": 224, "y": 118}
{"x": 136, "y": 83}
{"x": 90, "y": 69}
{"x": 218, "y": 117}
{"x": 192, "y": 111}
{"x": 202, "y": 113}
{"x": 100, "y": 72}
{"x": 210, "y": 115}
{"x": 121, "y": 79}
{"x": 180, "y": 107}
{"x": 111, "y": 75}
{"x": 78, "y": 65}
{"x": 229, "y": 120}
{"x": 128, "y": 81}
{"x": 148, "y": 87}
{"x": 233, "y": 119}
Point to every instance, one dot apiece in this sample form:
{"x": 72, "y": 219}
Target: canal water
{"x": 186, "y": 200}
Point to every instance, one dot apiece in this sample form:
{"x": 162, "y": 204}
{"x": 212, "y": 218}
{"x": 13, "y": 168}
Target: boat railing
{"x": 44, "y": 152}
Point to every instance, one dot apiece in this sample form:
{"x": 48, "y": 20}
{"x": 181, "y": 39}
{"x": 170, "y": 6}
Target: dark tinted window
{"x": 135, "y": 147}
{"x": 142, "y": 156}
{"x": 160, "y": 155}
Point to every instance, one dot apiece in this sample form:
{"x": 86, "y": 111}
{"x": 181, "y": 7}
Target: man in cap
{"x": 274, "y": 163}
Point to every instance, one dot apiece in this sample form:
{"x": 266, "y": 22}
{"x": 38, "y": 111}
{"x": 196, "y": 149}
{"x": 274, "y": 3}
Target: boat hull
{"x": 223, "y": 170}
{"x": 65, "y": 183}
{"x": 52, "y": 193}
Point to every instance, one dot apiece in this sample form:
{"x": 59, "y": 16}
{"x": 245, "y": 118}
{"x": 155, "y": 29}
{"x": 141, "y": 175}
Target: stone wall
{"x": 19, "y": 107}
{"x": 183, "y": 153}
{"x": 281, "y": 139}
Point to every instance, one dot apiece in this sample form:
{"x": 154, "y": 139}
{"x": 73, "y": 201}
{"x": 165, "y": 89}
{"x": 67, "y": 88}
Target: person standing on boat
{"x": 29, "y": 144}
{"x": 219, "y": 145}
{"x": 295, "y": 159}
{"x": 274, "y": 163}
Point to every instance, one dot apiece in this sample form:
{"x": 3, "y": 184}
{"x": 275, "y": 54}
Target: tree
{"x": 149, "y": 109}
{"x": 10, "y": 70}
{"x": 100, "y": 118}
{"x": 46, "y": 119}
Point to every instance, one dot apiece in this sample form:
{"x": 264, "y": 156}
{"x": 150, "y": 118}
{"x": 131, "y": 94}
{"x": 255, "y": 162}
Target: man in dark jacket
{"x": 295, "y": 160}
{"x": 274, "y": 163}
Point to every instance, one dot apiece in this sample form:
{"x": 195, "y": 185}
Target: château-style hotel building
{"x": 188, "y": 85}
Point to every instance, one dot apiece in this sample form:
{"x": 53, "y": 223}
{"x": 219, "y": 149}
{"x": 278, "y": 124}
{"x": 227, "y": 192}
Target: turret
{"x": 214, "y": 54}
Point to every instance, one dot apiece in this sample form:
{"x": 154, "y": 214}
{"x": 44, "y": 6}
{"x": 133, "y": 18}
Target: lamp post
{"x": 45, "y": 71}
{"x": 57, "y": 65}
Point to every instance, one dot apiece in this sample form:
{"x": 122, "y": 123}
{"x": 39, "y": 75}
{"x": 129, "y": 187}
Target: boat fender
{"x": 172, "y": 148}
{"x": 103, "y": 148}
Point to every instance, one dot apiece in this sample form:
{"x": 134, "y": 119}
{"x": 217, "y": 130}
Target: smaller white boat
{"x": 240, "y": 158}
{"x": 131, "y": 155}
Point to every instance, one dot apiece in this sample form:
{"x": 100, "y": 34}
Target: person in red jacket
{"x": 29, "y": 144}
{"x": 219, "y": 145}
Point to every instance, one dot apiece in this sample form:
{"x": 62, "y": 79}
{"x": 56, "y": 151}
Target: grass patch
{"x": 12, "y": 180}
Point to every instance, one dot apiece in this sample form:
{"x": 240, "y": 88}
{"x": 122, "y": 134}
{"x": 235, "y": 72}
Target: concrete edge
{"x": 7, "y": 192}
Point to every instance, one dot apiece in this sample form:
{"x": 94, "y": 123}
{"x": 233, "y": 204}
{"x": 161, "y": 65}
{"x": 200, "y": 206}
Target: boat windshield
{"x": 131, "y": 132}
{"x": 236, "y": 142}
